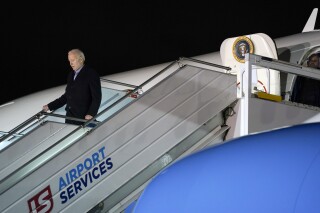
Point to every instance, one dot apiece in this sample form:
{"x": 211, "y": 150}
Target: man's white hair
{"x": 78, "y": 52}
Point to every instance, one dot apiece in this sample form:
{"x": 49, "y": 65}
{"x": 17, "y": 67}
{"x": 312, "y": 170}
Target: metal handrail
{"x": 33, "y": 118}
{"x": 150, "y": 79}
{"x": 206, "y": 63}
{"x": 63, "y": 116}
{"x": 14, "y": 134}
{"x": 117, "y": 82}
{"x": 130, "y": 93}
{"x": 22, "y": 125}
{"x": 284, "y": 66}
{"x": 39, "y": 114}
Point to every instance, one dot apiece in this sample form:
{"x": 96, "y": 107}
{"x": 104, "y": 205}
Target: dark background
{"x": 120, "y": 35}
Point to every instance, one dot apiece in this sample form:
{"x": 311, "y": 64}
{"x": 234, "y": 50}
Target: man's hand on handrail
{"x": 45, "y": 108}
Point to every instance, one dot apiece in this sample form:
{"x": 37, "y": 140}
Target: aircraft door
{"x": 232, "y": 55}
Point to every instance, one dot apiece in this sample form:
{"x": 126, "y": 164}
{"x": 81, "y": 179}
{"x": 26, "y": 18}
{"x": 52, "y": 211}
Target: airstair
{"x": 50, "y": 166}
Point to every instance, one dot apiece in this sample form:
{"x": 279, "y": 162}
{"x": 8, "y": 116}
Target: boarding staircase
{"x": 103, "y": 165}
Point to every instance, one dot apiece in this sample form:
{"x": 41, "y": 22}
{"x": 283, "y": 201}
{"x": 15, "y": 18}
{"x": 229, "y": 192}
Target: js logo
{"x": 41, "y": 202}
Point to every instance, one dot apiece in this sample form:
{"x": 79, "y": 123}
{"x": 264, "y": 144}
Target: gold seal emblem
{"x": 241, "y": 46}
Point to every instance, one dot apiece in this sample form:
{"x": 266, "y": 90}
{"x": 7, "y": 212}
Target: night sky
{"x": 118, "y": 36}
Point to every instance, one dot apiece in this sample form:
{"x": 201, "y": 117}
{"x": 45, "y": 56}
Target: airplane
{"x": 293, "y": 48}
{"x": 291, "y": 51}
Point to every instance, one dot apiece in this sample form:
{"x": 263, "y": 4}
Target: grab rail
{"x": 206, "y": 63}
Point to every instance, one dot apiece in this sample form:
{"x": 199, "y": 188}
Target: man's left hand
{"x": 88, "y": 117}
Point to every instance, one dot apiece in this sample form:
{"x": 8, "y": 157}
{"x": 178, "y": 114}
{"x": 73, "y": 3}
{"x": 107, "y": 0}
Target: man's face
{"x": 313, "y": 62}
{"x": 75, "y": 61}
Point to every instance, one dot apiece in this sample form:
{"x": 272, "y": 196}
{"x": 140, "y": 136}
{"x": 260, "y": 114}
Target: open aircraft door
{"x": 233, "y": 52}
